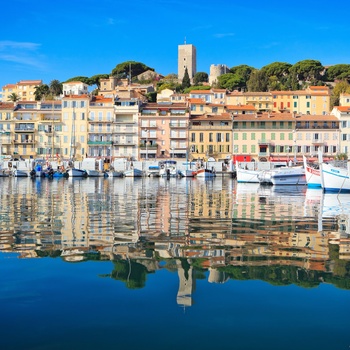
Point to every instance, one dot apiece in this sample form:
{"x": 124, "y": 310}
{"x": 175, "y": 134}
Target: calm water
{"x": 172, "y": 264}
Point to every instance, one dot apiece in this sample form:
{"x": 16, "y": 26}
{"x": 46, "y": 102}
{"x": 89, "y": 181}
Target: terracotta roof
{"x": 29, "y": 82}
{"x": 222, "y": 116}
{"x": 6, "y": 105}
{"x": 7, "y": 86}
{"x": 196, "y": 101}
{"x": 201, "y": 92}
{"x": 76, "y": 96}
{"x": 342, "y": 108}
{"x": 257, "y": 93}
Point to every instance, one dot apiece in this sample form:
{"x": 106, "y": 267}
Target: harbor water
{"x": 177, "y": 263}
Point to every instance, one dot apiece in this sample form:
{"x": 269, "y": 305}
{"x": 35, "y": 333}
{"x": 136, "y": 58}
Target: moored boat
{"x": 335, "y": 178}
{"x": 74, "y": 172}
{"x": 283, "y": 176}
{"x": 206, "y": 173}
{"x": 312, "y": 174}
{"x": 134, "y": 172}
{"x": 245, "y": 174}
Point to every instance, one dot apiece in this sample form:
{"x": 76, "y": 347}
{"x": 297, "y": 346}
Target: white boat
{"x": 95, "y": 173}
{"x": 245, "y": 174}
{"x": 74, "y": 172}
{"x": 168, "y": 168}
{"x": 114, "y": 173}
{"x": 153, "y": 171}
{"x": 335, "y": 178}
{"x": 206, "y": 173}
{"x": 283, "y": 176}
{"x": 4, "y": 172}
{"x": 188, "y": 173}
{"x": 20, "y": 173}
{"x": 134, "y": 172}
{"x": 312, "y": 174}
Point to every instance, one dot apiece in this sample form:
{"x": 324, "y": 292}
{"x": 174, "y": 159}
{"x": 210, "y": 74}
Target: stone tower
{"x": 216, "y": 71}
{"x": 187, "y": 58}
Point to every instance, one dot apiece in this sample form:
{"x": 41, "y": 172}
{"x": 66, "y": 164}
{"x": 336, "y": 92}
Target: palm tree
{"x": 55, "y": 87}
{"x": 41, "y": 91}
{"x": 13, "y": 97}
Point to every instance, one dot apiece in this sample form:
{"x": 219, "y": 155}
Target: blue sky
{"x": 48, "y": 40}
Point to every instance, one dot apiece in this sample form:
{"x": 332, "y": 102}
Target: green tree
{"x": 307, "y": 71}
{"x": 186, "y": 81}
{"x": 55, "y": 87}
{"x": 257, "y": 82}
{"x": 197, "y": 87}
{"x": 277, "y": 69}
{"x": 243, "y": 71}
{"x": 13, "y": 97}
{"x": 122, "y": 70}
{"x": 340, "y": 88}
{"x": 231, "y": 81}
{"x": 41, "y": 92}
{"x": 85, "y": 80}
{"x": 200, "y": 77}
{"x": 95, "y": 79}
{"x": 338, "y": 71}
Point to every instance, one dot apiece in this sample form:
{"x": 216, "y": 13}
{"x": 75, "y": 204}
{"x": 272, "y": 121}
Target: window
{"x": 210, "y": 137}
{"x": 201, "y": 137}
{"x": 218, "y": 137}
{"x": 273, "y": 136}
{"x": 252, "y": 135}
{"x": 193, "y": 137}
{"x": 227, "y": 137}
{"x": 282, "y": 136}
{"x": 244, "y": 136}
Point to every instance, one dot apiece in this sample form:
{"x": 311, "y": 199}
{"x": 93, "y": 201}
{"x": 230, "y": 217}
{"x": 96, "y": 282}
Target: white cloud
{"x": 7, "y": 44}
{"x": 24, "y": 53}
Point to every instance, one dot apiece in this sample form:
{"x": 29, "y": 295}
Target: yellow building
{"x": 25, "y": 90}
{"x": 100, "y": 127}
{"x": 313, "y": 100}
{"x": 262, "y": 101}
{"x": 284, "y": 136}
{"x": 210, "y": 136}
{"x": 75, "y": 111}
{"x": 6, "y": 127}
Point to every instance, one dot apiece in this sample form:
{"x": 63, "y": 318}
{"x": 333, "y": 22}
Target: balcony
{"x": 317, "y": 141}
{"x": 100, "y": 143}
{"x": 264, "y": 142}
{"x": 178, "y": 125}
{"x": 124, "y": 143}
{"x": 26, "y": 142}
{"x": 24, "y": 129}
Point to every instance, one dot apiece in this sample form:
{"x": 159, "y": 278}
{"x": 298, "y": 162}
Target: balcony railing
{"x": 124, "y": 143}
{"x": 103, "y": 143}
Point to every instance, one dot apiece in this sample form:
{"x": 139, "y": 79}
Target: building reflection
{"x": 217, "y": 228}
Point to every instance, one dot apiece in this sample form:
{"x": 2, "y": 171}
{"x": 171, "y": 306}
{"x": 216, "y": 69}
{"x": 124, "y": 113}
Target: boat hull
{"x": 335, "y": 179}
{"x": 76, "y": 173}
{"x": 205, "y": 173}
{"x": 133, "y": 173}
{"x": 284, "y": 176}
